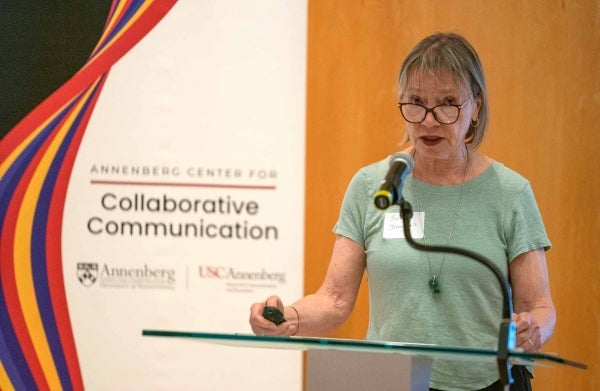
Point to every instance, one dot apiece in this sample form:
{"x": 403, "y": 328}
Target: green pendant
{"x": 434, "y": 284}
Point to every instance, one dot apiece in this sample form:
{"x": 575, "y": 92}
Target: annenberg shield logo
{"x": 87, "y": 273}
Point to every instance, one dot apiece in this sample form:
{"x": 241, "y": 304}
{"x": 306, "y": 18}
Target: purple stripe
{"x": 129, "y": 13}
{"x": 12, "y": 358}
{"x": 38, "y": 252}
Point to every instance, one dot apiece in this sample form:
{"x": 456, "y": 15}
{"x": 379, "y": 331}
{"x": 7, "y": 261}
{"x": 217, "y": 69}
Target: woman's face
{"x": 431, "y": 138}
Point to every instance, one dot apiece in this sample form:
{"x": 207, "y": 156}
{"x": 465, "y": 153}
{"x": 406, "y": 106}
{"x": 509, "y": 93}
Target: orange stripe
{"x": 111, "y": 23}
{"x": 15, "y": 153}
{"x": 23, "y": 240}
{"x": 126, "y": 27}
{"x": 5, "y": 383}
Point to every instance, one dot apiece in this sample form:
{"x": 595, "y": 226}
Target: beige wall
{"x": 542, "y": 60}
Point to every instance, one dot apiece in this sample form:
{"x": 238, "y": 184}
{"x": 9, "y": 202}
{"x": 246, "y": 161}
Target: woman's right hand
{"x": 262, "y": 326}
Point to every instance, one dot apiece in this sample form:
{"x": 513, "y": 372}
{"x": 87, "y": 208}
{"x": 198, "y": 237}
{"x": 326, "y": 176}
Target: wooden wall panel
{"x": 542, "y": 61}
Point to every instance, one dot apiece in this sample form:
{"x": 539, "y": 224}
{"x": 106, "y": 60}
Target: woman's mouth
{"x": 430, "y": 140}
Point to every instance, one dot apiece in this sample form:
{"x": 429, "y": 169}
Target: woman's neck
{"x": 444, "y": 172}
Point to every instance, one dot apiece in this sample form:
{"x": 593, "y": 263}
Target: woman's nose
{"x": 430, "y": 120}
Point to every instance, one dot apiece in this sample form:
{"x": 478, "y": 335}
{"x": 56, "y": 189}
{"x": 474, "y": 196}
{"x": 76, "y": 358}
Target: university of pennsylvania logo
{"x": 87, "y": 273}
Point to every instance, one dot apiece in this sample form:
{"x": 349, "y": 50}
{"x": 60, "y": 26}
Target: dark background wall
{"x": 42, "y": 44}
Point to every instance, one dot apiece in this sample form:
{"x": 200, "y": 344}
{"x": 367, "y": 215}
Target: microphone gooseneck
{"x": 390, "y": 193}
{"x": 507, "y": 335}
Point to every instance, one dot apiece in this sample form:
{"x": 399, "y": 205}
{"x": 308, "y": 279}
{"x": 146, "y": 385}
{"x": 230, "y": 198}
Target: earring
{"x": 475, "y": 122}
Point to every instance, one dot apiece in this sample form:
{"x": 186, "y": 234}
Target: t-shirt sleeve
{"x": 353, "y": 211}
{"x": 525, "y": 229}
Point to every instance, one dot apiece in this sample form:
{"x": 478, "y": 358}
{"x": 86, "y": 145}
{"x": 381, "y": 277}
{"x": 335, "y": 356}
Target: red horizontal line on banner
{"x": 177, "y": 184}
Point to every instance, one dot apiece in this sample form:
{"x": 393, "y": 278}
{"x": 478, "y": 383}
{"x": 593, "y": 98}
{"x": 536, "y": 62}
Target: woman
{"x": 461, "y": 198}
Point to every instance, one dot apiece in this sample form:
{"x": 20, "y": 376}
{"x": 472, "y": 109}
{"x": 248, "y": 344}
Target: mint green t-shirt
{"x": 498, "y": 218}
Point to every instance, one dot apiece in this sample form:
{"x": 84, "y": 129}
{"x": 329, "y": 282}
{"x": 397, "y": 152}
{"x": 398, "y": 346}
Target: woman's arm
{"x": 323, "y": 311}
{"x": 535, "y": 315}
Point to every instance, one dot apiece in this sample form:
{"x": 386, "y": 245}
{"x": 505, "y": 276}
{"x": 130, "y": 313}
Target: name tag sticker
{"x": 393, "y": 227}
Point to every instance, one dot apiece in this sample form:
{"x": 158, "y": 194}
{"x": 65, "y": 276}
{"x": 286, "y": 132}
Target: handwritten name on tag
{"x": 393, "y": 227}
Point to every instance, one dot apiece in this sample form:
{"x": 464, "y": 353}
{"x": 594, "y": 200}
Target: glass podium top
{"x": 414, "y": 349}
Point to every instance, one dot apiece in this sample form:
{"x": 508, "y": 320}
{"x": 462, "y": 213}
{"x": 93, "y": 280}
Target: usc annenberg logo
{"x": 229, "y": 273}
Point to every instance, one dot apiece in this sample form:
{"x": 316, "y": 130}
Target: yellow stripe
{"x": 111, "y": 23}
{"x": 5, "y": 165}
{"x": 10, "y": 159}
{"x": 5, "y": 384}
{"x": 132, "y": 20}
{"x": 23, "y": 270}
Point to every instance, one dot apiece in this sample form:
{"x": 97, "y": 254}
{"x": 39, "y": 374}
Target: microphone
{"x": 390, "y": 191}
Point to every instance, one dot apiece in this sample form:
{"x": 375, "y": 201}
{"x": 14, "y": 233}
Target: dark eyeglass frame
{"x": 431, "y": 110}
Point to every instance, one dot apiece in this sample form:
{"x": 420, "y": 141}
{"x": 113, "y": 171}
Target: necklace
{"x": 434, "y": 280}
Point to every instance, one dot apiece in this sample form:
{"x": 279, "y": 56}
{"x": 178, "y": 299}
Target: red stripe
{"x": 54, "y": 251}
{"x": 54, "y": 232}
{"x": 48, "y": 108}
{"x": 177, "y": 184}
{"x": 86, "y": 76}
{"x": 8, "y": 270}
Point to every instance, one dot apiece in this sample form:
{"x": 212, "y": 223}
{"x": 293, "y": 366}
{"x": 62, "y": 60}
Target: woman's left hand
{"x": 529, "y": 334}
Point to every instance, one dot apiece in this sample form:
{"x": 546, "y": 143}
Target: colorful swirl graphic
{"x": 37, "y": 348}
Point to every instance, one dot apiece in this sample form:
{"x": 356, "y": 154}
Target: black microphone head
{"x": 403, "y": 157}
{"x": 389, "y": 193}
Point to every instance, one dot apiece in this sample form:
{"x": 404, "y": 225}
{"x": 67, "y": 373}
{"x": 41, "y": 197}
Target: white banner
{"x": 185, "y": 204}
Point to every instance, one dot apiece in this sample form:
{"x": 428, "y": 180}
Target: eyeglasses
{"x": 445, "y": 113}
